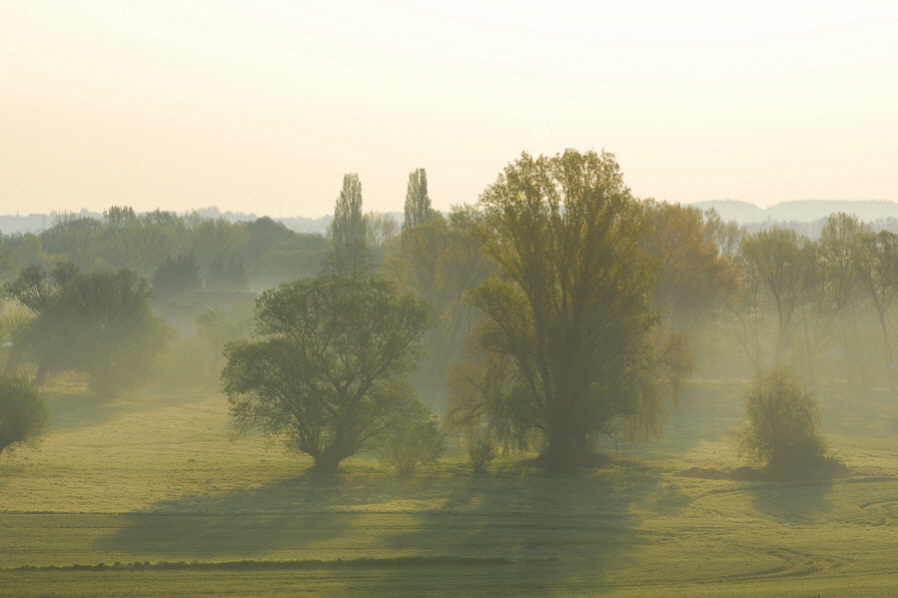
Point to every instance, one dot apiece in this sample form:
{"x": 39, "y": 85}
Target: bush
{"x": 782, "y": 427}
{"x": 481, "y": 450}
{"x": 23, "y": 415}
{"x": 417, "y": 443}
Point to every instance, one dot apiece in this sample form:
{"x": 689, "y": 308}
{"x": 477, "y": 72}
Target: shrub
{"x": 782, "y": 427}
{"x": 23, "y": 415}
{"x": 481, "y": 450}
{"x": 417, "y": 443}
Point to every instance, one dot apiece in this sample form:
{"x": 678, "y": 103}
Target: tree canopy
{"x": 570, "y": 318}
{"x": 97, "y": 322}
{"x": 23, "y": 415}
{"x": 327, "y": 372}
{"x": 349, "y": 249}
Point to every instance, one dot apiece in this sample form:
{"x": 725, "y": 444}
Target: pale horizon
{"x": 262, "y": 107}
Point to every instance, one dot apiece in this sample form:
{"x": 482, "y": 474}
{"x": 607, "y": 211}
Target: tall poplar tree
{"x": 417, "y": 201}
{"x": 349, "y": 248}
{"x": 570, "y": 335}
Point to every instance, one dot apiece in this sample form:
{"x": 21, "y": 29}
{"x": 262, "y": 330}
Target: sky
{"x": 262, "y": 107}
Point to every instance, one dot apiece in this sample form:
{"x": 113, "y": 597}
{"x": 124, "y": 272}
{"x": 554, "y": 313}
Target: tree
{"x": 572, "y": 311}
{"x": 417, "y": 201}
{"x": 782, "y": 425}
{"x": 177, "y": 280}
{"x": 100, "y": 323}
{"x": 349, "y": 248}
{"x": 327, "y": 374}
{"x": 416, "y": 443}
{"x": 876, "y": 266}
{"x": 781, "y": 259}
{"x": 839, "y": 246}
{"x": 694, "y": 278}
{"x": 38, "y": 292}
{"x": 23, "y": 415}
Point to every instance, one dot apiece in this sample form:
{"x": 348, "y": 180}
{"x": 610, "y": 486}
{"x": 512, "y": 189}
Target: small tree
{"x": 416, "y": 443}
{"x": 23, "y": 415}
{"x": 782, "y": 427}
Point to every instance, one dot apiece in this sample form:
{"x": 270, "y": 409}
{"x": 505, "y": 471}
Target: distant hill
{"x": 806, "y": 210}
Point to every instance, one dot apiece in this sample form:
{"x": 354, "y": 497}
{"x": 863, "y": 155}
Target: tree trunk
{"x": 327, "y": 462}
{"x": 568, "y": 447}
{"x": 41, "y": 378}
{"x": 887, "y": 349}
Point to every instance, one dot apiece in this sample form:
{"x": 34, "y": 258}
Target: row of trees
{"x": 226, "y": 255}
{"x": 558, "y": 295}
{"x": 557, "y": 311}
{"x": 821, "y": 303}
{"x": 565, "y": 309}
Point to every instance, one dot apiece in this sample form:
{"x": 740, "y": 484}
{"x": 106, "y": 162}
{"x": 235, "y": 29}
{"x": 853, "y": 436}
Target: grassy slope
{"x": 153, "y": 477}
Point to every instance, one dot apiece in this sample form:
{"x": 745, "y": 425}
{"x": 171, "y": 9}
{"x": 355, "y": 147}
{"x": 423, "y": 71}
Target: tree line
{"x": 557, "y": 311}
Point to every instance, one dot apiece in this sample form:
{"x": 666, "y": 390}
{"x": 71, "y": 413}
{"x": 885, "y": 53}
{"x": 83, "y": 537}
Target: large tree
{"x": 571, "y": 316}
{"x": 327, "y": 371}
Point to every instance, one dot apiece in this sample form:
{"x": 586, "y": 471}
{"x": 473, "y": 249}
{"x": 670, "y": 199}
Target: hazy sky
{"x": 262, "y": 106}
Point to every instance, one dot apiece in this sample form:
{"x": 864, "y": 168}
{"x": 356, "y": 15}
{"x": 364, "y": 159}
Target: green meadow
{"x": 149, "y": 495}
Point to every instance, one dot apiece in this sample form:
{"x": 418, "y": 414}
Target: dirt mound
{"x": 748, "y": 474}
{"x": 705, "y": 473}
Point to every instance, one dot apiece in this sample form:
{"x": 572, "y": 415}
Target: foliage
{"x": 23, "y": 415}
{"x": 177, "y": 280}
{"x": 876, "y": 268}
{"x": 440, "y": 261}
{"x": 782, "y": 425}
{"x": 415, "y": 443}
{"x": 326, "y": 374}
{"x": 695, "y": 279}
{"x": 226, "y": 275}
{"x": 99, "y": 323}
{"x": 417, "y": 201}
{"x": 215, "y": 328}
{"x": 571, "y": 315}
{"x": 349, "y": 249}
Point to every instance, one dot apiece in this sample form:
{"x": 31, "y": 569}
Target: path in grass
{"x": 154, "y": 478}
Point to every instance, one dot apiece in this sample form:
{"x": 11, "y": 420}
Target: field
{"x": 148, "y": 495}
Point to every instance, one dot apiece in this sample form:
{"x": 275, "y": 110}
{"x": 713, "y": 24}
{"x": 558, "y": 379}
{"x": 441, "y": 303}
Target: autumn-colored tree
{"x": 571, "y": 311}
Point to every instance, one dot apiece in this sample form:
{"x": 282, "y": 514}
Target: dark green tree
{"x": 23, "y": 415}
{"x": 100, "y": 324}
{"x": 177, "y": 280}
{"x": 572, "y": 311}
{"x": 327, "y": 371}
{"x": 417, "y": 201}
{"x": 349, "y": 249}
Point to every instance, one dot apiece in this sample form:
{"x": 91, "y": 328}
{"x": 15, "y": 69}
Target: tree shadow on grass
{"x": 592, "y": 518}
{"x": 281, "y": 520}
{"x": 573, "y": 530}
{"x": 792, "y": 502}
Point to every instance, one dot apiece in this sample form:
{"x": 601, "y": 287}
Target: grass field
{"x": 154, "y": 480}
